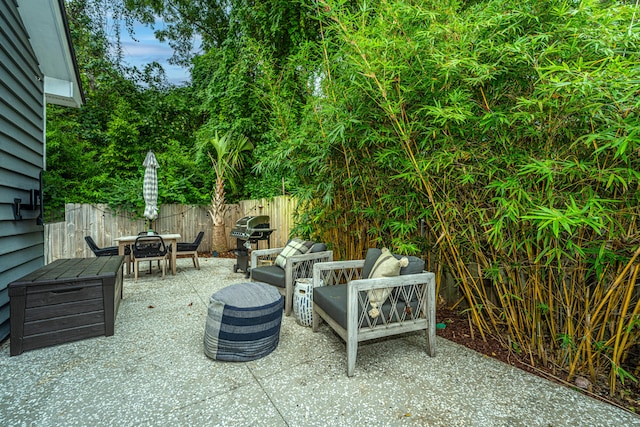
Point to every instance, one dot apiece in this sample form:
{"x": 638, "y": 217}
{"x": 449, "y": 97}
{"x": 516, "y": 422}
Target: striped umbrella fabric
{"x": 150, "y": 186}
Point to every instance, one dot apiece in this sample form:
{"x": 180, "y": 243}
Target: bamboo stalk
{"x": 615, "y": 360}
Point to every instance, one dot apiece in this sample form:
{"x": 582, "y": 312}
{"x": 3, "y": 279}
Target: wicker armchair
{"x": 341, "y": 298}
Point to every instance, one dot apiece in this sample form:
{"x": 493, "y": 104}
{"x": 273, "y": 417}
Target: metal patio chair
{"x": 109, "y": 251}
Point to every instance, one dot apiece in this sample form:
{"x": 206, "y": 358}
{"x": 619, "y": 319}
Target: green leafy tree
{"x": 95, "y": 154}
{"x": 241, "y": 43}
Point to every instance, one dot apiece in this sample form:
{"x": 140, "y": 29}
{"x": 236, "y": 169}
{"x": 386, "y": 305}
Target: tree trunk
{"x": 219, "y": 239}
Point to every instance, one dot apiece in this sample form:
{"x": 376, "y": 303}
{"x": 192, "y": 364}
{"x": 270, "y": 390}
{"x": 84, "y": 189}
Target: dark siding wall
{"x": 21, "y": 154}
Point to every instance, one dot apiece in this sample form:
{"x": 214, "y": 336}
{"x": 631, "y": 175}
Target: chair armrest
{"x": 337, "y": 272}
{"x": 259, "y": 254}
{"x": 391, "y": 282}
{"x": 313, "y": 255}
{"x": 185, "y": 247}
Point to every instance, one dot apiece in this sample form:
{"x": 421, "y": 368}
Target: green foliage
{"x": 224, "y": 151}
{"x": 255, "y": 84}
{"x": 95, "y": 154}
{"x": 108, "y": 140}
{"x": 509, "y": 127}
{"x": 181, "y": 21}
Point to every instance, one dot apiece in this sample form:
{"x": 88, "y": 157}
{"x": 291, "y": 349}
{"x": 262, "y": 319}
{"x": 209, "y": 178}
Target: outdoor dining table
{"x": 169, "y": 239}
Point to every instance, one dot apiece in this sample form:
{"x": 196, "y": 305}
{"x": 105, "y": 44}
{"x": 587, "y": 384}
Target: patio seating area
{"x": 153, "y": 371}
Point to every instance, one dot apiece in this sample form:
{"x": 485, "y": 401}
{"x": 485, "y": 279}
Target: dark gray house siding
{"x": 24, "y": 72}
{"x": 21, "y": 153}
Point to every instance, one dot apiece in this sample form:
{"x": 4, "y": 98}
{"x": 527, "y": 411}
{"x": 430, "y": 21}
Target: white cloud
{"x": 136, "y": 51}
{"x": 148, "y": 49}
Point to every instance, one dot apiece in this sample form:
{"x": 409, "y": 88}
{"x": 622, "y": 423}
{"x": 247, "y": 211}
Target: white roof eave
{"x": 45, "y": 22}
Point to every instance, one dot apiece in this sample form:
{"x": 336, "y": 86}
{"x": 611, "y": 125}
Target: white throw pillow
{"x": 385, "y": 266}
{"x": 294, "y": 247}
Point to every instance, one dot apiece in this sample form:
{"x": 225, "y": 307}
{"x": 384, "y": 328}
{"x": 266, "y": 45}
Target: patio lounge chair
{"x": 264, "y": 268}
{"x": 149, "y": 248}
{"x": 190, "y": 249}
{"x": 350, "y": 303}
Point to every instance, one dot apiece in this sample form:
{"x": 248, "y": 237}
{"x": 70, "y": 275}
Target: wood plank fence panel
{"x": 66, "y": 239}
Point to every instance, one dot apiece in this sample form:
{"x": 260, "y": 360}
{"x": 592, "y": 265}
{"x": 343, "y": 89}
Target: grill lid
{"x": 252, "y": 227}
{"x": 250, "y": 222}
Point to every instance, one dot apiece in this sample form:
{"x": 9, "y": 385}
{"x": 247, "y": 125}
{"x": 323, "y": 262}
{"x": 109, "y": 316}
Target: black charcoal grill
{"x": 248, "y": 231}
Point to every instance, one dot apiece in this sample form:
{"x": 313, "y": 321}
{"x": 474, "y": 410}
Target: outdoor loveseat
{"x": 266, "y": 267}
{"x": 360, "y": 308}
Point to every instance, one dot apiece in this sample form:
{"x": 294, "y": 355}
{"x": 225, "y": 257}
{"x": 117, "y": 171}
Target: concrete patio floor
{"x": 153, "y": 371}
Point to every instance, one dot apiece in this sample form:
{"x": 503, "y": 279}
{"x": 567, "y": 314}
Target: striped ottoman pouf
{"x": 243, "y": 322}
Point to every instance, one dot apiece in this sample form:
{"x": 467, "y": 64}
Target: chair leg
{"x": 352, "y": 351}
{"x": 136, "y": 268}
{"x": 196, "y": 262}
{"x": 288, "y": 301}
{"x": 129, "y": 259}
{"x": 352, "y": 329}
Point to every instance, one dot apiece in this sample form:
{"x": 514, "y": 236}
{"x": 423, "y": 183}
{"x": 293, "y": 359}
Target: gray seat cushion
{"x": 271, "y": 274}
{"x": 318, "y": 247}
{"x": 274, "y": 275}
{"x": 333, "y": 300}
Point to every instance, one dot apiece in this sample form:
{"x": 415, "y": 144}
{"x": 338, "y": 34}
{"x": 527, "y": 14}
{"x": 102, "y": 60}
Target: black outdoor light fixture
{"x": 35, "y": 203}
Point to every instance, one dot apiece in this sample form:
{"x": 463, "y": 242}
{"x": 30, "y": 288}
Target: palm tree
{"x": 226, "y": 157}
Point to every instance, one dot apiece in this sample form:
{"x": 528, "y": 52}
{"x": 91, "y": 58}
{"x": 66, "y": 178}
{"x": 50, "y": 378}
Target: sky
{"x": 147, "y": 49}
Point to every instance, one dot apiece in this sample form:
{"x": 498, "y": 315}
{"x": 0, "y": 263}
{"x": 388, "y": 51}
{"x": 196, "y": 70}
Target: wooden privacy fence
{"x": 66, "y": 239}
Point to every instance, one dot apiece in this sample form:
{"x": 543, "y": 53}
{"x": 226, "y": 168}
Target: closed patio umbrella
{"x": 150, "y": 187}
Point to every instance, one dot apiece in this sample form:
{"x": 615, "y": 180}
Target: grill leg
{"x": 242, "y": 257}
{"x": 244, "y": 248}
